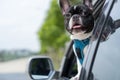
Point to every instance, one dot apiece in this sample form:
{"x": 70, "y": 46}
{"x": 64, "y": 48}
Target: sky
{"x": 19, "y": 23}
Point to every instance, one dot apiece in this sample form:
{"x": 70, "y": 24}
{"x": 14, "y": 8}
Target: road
{"x": 13, "y": 76}
{"x": 14, "y": 70}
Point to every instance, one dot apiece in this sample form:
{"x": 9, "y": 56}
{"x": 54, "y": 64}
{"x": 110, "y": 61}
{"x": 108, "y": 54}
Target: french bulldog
{"x": 79, "y": 22}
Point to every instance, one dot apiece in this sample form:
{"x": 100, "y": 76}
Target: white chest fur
{"x": 81, "y": 36}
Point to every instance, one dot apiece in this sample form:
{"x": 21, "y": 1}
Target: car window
{"x": 107, "y": 61}
{"x": 69, "y": 65}
{"x": 73, "y": 68}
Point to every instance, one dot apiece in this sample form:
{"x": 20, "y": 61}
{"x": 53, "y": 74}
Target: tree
{"x": 74, "y": 2}
{"x": 52, "y": 34}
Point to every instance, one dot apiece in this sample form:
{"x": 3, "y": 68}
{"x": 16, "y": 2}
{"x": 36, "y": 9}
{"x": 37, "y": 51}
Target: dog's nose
{"x": 75, "y": 17}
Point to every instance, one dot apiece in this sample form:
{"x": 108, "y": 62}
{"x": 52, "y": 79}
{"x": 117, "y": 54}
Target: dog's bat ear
{"x": 88, "y": 3}
{"x": 64, "y": 5}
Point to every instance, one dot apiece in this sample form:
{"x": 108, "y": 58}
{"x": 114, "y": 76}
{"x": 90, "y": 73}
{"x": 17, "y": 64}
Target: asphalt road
{"x": 14, "y": 76}
{"x": 14, "y": 70}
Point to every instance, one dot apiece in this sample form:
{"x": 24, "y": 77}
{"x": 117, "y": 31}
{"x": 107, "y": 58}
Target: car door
{"x": 103, "y": 58}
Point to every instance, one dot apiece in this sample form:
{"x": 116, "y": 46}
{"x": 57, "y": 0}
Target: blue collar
{"x": 79, "y": 46}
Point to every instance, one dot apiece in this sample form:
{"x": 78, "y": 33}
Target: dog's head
{"x": 78, "y": 18}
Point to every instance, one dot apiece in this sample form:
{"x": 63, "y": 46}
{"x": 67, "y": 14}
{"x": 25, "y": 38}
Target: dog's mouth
{"x": 76, "y": 28}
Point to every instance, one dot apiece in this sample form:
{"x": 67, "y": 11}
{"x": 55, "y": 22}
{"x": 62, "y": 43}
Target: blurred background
{"x": 28, "y": 28}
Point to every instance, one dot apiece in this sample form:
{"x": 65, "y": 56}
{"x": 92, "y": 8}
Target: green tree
{"x": 52, "y": 34}
{"x": 74, "y": 2}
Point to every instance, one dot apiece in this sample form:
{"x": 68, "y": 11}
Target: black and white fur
{"x": 79, "y": 23}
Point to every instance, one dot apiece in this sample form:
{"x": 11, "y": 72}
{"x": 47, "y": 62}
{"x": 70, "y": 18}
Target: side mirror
{"x": 40, "y": 68}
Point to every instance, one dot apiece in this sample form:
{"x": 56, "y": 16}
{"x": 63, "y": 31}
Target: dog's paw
{"x": 75, "y": 78}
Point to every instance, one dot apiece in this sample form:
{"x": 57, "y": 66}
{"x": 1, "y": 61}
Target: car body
{"x": 102, "y": 59}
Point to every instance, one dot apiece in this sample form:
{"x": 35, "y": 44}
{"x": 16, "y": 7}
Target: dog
{"x": 79, "y": 22}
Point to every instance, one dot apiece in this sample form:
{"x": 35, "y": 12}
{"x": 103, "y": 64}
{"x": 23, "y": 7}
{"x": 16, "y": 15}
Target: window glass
{"x": 107, "y": 62}
{"x": 73, "y": 69}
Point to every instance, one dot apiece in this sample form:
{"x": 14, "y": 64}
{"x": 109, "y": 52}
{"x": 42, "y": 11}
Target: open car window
{"x": 69, "y": 67}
